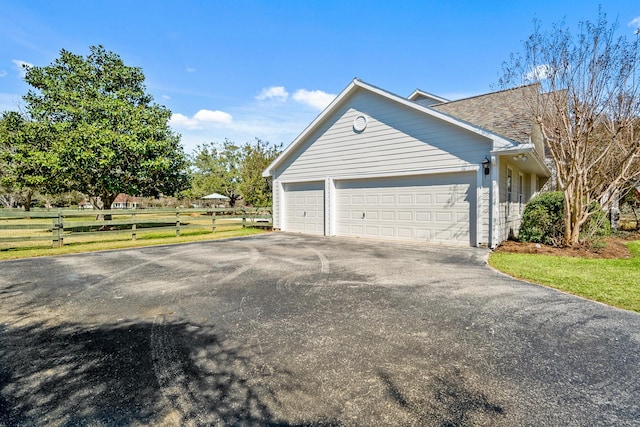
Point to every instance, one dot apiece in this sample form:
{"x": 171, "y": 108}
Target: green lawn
{"x": 614, "y": 282}
{"x": 124, "y": 241}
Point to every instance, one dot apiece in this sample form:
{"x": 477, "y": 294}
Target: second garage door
{"x": 433, "y": 208}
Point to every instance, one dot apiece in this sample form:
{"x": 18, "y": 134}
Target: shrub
{"x": 598, "y": 225}
{"x": 542, "y": 220}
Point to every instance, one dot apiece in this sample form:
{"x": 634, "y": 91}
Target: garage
{"x": 304, "y": 207}
{"x": 436, "y": 208}
{"x": 377, "y": 165}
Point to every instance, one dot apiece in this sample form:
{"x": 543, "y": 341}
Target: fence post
{"x": 133, "y": 226}
{"x": 58, "y": 228}
{"x": 54, "y": 233}
{"x": 213, "y": 221}
{"x": 177, "y": 223}
{"x": 244, "y": 218}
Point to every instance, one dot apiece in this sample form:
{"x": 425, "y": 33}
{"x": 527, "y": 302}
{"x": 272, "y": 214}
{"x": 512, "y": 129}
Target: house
{"x": 124, "y": 201}
{"x": 375, "y": 164}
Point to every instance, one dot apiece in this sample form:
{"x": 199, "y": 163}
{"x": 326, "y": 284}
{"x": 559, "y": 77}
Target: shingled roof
{"x": 504, "y": 113}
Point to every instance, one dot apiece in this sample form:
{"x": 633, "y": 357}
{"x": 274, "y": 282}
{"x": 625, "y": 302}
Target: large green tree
{"x": 588, "y": 111}
{"x": 110, "y": 137}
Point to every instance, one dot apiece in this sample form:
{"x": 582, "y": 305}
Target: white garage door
{"x": 304, "y": 207}
{"x": 433, "y": 208}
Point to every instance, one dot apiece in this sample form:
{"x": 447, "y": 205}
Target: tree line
{"x": 89, "y": 127}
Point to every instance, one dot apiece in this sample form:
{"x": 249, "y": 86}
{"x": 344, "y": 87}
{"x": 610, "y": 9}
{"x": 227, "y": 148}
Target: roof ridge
{"x": 487, "y": 94}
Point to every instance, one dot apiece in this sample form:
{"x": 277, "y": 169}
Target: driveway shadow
{"x": 122, "y": 374}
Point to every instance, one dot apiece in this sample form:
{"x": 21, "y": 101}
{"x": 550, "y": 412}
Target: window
{"x": 520, "y": 192}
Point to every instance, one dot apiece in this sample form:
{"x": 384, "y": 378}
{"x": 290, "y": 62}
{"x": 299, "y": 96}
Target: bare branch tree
{"x": 588, "y": 110}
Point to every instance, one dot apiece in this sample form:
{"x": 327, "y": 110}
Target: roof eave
{"x": 528, "y": 149}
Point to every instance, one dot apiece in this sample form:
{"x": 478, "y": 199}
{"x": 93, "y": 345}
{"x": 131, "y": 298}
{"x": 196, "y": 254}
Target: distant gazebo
{"x": 217, "y": 200}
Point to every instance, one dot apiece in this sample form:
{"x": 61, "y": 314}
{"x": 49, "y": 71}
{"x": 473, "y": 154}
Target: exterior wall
{"x": 277, "y": 194}
{"x": 397, "y": 140}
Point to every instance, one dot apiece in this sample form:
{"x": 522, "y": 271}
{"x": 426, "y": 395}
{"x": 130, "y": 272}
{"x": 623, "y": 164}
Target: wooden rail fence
{"x": 18, "y": 226}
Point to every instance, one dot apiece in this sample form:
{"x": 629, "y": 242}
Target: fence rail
{"x": 57, "y": 226}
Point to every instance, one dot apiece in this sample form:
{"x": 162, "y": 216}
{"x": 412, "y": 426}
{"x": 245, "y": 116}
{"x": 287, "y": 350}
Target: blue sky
{"x": 245, "y": 69}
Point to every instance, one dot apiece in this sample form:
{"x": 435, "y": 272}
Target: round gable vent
{"x": 359, "y": 123}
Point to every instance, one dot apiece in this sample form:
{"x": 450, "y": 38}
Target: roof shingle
{"x": 504, "y": 113}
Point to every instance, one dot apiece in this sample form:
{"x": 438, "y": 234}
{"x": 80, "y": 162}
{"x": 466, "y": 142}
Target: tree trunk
{"x": 27, "y": 201}
{"x": 107, "y": 201}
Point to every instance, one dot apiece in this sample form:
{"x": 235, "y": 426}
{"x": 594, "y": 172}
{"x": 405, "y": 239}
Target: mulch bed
{"x": 611, "y": 247}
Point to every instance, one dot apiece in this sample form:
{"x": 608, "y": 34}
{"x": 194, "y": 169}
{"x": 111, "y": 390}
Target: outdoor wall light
{"x": 487, "y": 165}
{"x": 520, "y": 157}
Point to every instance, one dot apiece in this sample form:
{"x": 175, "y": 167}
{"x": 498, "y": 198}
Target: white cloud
{"x": 275, "y": 115}
{"x": 201, "y": 119}
{"x": 635, "y": 23}
{"x": 190, "y": 69}
{"x": 277, "y": 93}
{"x": 539, "y": 72}
{"x": 315, "y": 98}
{"x": 213, "y": 116}
{"x": 166, "y": 97}
{"x": 21, "y": 66}
{"x": 3, "y": 73}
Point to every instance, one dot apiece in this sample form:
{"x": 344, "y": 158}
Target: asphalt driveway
{"x": 287, "y": 330}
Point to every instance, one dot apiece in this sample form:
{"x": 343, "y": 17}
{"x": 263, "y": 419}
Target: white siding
{"x": 396, "y": 140}
{"x": 277, "y": 194}
{"x": 485, "y": 209}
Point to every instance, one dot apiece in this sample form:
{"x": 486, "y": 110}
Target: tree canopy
{"x": 588, "y": 110}
{"x": 234, "y": 171}
{"x": 105, "y": 134}
{"x": 27, "y": 156}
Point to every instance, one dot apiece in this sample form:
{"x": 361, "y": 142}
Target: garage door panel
{"x": 404, "y": 216}
{"x": 423, "y": 234}
{"x": 423, "y": 216}
{"x": 443, "y": 198}
{"x": 425, "y": 208}
{"x": 372, "y": 215}
{"x": 405, "y": 233}
{"x": 462, "y": 217}
{"x": 387, "y": 231}
{"x": 372, "y": 199}
{"x": 423, "y": 199}
{"x": 388, "y": 200}
{"x": 445, "y": 217}
{"x": 443, "y": 235}
{"x": 388, "y": 215}
{"x": 405, "y": 199}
